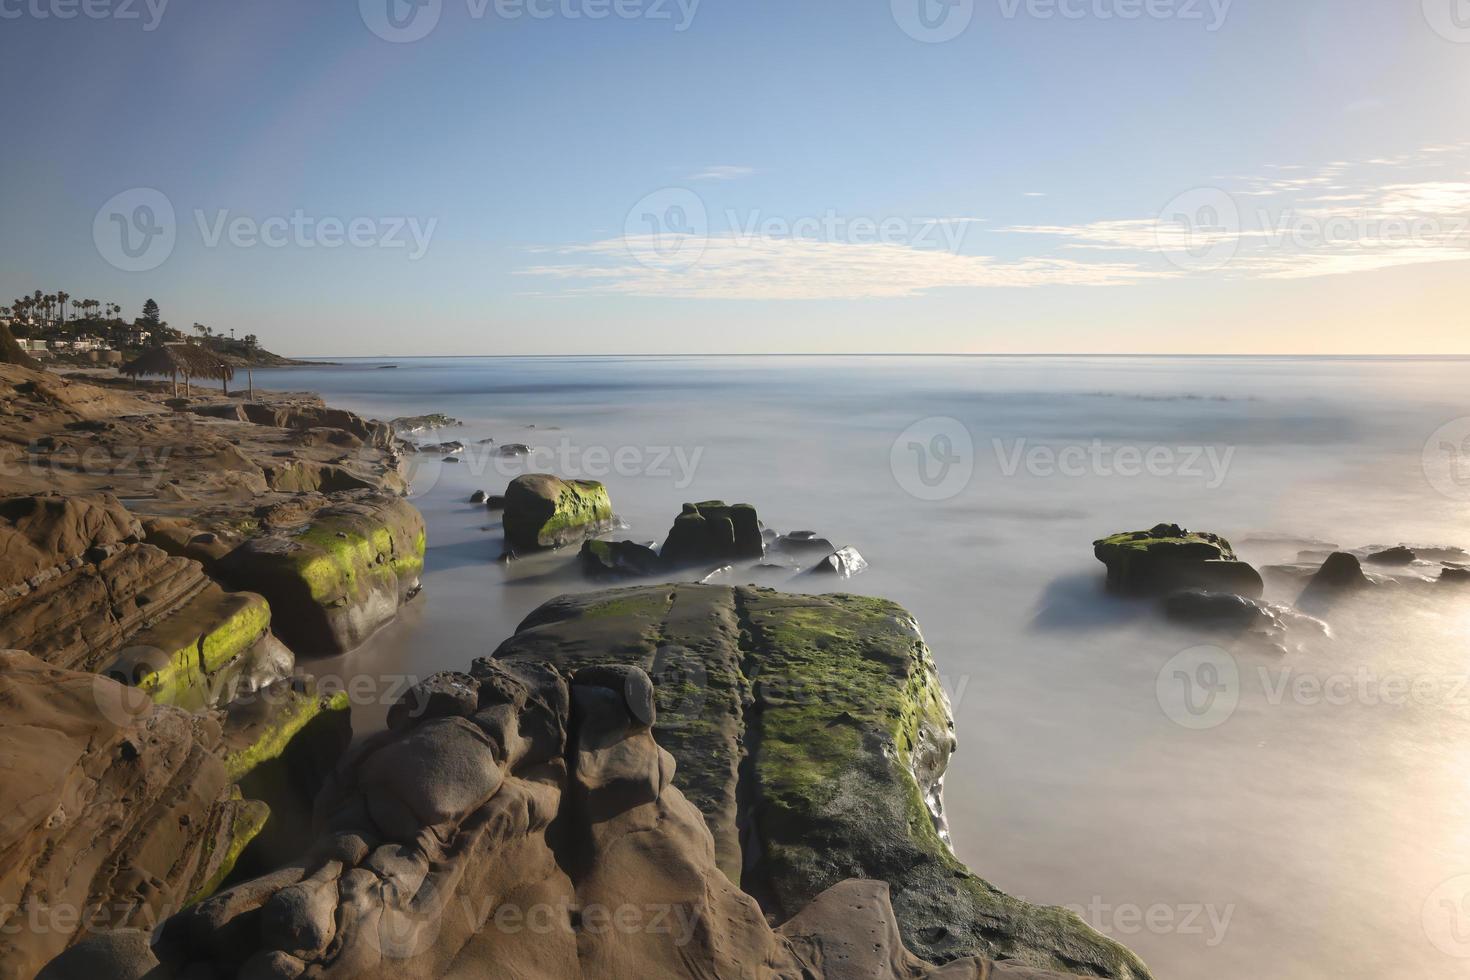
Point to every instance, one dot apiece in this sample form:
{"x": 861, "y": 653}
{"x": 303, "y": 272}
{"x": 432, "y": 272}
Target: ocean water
{"x": 1255, "y": 813}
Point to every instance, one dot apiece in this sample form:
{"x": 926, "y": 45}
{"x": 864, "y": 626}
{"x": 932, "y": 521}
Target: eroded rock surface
{"x": 812, "y": 733}
{"x": 532, "y": 830}
{"x": 116, "y": 810}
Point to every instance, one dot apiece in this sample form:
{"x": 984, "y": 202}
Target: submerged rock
{"x": 542, "y": 511}
{"x": 478, "y": 497}
{"x": 614, "y": 558}
{"x": 514, "y": 449}
{"x": 813, "y": 735}
{"x": 1393, "y": 556}
{"x": 1237, "y": 614}
{"x": 713, "y": 532}
{"x": 335, "y": 581}
{"x": 1341, "y": 574}
{"x": 844, "y": 563}
{"x": 1167, "y": 558}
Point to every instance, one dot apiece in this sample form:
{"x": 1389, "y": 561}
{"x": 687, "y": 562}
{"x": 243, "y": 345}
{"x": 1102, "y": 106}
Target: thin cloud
{"x": 722, "y": 172}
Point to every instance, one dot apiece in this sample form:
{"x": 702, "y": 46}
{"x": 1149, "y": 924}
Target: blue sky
{"x": 819, "y": 179}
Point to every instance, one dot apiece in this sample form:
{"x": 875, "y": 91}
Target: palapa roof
{"x": 185, "y": 359}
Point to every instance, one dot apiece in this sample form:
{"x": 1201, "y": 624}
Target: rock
{"x": 514, "y": 449}
{"x": 1454, "y": 576}
{"x": 280, "y": 743}
{"x": 450, "y": 459}
{"x": 619, "y": 558}
{"x": 1237, "y": 614}
{"x": 844, "y": 563}
{"x": 334, "y": 582}
{"x": 542, "y": 511}
{"x": 203, "y": 654}
{"x": 838, "y": 705}
{"x": 1168, "y": 558}
{"x": 1393, "y": 556}
{"x": 468, "y": 805}
{"x": 304, "y": 417}
{"x": 713, "y": 532}
{"x": 495, "y": 502}
{"x": 478, "y": 497}
{"x": 1341, "y": 574}
{"x": 116, "y": 809}
{"x": 802, "y": 545}
{"x": 422, "y": 423}
{"x": 435, "y": 448}
{"x": 446, "y": 694}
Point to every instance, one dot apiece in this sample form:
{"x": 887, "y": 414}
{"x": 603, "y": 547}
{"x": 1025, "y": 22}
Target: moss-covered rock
{"x": 812, "y": 732}
{"x": 279, "y": 745}
{"x": 335, "y": 581}
{"x": 200, "y": 655}
{"x": 713, "y": 531}
{"x": 1167, "y": 558}
{"x": 611, "y": 559}
{"x": 542, "y": 511}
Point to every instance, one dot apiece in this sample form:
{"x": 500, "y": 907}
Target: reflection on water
{"x": 1305, "y": 832}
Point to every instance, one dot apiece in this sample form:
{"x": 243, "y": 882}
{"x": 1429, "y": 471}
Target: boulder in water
{"x": 844, "y": 563}
{"x": 618, "y": 558}
{"x": 1168, "y": 558}
{"x": 712, "y": 532}
{"x": 1393, "y": 556}
{"x": 542, "y": 511}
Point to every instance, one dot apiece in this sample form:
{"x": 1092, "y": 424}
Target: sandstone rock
{"x": 116, "y": 809}
{"x": 838, "y": 703}
{"x": 713, "y": 532}
{"x": 303, "y": 417}
{"x": 630, "y": 888}
{"x": 1168, "y": 558}
{"x": 334, "y": 582}
{"x": 423, "y": 423}
{"x": 542, "y": 511}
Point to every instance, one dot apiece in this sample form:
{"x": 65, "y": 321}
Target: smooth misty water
{"x": 1305, "y": 836}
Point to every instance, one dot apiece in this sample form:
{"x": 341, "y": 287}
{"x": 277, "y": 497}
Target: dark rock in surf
{"x": 1168, "y": 558}
{"x": 1393, "y": 556}
{"x": 1341, "y": 574}
{"x": 713, "y": 531}
{"x": 844, "y": 563}
{"x": 619, "y": 558}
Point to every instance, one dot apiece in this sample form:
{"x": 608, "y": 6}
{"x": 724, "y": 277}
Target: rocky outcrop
{"x": 423, "y": 423}
{"x": 336, "y": 580}
{"x": 844, "y": 563}
{"x": 812, "y": 734}
{"x": 1167, "y": 558}
{"x": 116, "y": 811}
{"x": 542, "y": 511}
{"x": 713, "y": 532}
{"x": 523, "y": 827}
{"x": 304, "y": 417}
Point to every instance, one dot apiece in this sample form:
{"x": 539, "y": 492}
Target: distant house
{"x": 33, "y": 346}
{"x": 137, "y": 336}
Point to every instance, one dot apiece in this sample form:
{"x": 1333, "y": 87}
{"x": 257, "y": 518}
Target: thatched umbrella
{"x": 173, "y": 360}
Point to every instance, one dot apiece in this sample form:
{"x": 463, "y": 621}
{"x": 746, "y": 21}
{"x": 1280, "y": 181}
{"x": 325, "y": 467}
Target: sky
{"x": 376, "y": 177}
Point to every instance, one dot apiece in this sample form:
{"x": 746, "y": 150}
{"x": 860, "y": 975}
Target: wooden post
{"x": 176, "y": 382}
{"x": 250, "y": 380}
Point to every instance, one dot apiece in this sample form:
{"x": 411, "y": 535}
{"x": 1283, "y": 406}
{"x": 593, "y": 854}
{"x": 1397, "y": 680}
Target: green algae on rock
{"x": 200, "y": 655}
{"x": 334, "y": 582}
{"x": 812, "y": 732}
{"x": 1167, "y": 558}
{"x": 713, "y": 531}
{"x": 542, "y": 511}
